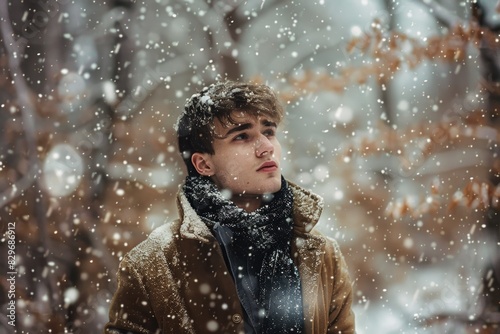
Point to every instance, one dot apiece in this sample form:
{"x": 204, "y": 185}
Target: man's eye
{"x": 270, "y": 133}
{"x": 241, "y": 136}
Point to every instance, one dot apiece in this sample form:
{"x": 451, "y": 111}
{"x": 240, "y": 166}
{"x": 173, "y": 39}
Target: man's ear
{"x": 202, "y": 163}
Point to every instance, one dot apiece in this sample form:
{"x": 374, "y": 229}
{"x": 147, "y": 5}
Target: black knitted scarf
{"x": 256, "y": 247}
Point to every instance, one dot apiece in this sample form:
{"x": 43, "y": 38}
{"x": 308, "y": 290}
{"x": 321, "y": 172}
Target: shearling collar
{"x": 307, "y": 208}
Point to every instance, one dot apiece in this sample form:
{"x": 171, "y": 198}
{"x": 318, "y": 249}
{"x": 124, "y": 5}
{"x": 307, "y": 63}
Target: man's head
{"x": 218, "y": 116}
{"x": 195, "y": 127}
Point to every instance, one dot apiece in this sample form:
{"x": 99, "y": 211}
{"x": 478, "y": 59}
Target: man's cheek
{"x": 232, "y": 172}
{"x": 233, "y": 166}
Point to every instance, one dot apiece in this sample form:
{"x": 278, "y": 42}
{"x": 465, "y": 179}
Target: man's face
{"x": 247, "y": 156}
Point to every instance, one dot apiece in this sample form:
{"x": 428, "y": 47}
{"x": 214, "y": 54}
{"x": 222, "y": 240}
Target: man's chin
{"x": 273, "y": 186}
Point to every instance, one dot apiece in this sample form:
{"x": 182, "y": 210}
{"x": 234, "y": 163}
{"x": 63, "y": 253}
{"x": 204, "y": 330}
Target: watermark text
{"x": 11, "y": 273}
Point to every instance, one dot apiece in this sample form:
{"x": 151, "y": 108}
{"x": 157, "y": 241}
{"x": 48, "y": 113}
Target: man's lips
{"x": 268, "y": 166}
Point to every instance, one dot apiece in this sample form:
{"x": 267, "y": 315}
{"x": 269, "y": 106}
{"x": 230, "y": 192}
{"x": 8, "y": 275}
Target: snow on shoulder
{"x": 156, "y": 242}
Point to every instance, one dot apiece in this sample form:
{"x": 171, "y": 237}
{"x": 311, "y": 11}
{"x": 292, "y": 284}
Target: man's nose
{"x": 263, "y": 146}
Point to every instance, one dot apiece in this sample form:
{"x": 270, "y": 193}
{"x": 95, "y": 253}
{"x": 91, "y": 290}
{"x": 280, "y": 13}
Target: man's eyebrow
{"x": 269, "y": 123}
{"x": 246, "y": 126}
{"x": 238, "y": 128}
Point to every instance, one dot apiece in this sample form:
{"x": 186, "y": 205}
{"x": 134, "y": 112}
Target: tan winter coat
{"x": 176, "y": 281}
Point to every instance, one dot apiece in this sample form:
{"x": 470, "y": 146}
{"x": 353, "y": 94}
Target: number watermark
{"x": 11, "y": 273}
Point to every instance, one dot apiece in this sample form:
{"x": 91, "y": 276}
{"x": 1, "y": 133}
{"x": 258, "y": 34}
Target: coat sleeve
{"x": 341, "y": 316}
{"x": 130, "y": 311}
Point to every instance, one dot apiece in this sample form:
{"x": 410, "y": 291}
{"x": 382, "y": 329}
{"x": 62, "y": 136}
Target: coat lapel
{"x": 308, "y": 247}
{"x": 309, "y": 255}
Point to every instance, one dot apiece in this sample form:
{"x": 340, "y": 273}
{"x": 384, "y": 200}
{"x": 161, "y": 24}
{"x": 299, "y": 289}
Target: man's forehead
{"x": 238, "y": 118}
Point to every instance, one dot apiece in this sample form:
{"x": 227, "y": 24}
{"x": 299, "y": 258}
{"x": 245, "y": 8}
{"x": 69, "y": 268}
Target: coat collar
{"x": 307, "y": 208}
{"x": 192, "y": 226}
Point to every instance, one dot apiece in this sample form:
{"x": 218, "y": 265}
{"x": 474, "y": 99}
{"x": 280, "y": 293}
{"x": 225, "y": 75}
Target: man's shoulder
{"x": 331, "y": 245}
{"x": 331, "y": 249}
{"x": 157, "y": 243}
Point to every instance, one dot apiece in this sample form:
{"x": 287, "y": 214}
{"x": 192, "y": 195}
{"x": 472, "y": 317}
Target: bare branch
{"x": 280, "y": 66}
{"x": 19, "y": 186}
{"x": 22, "y": 89}
{"x": 442, "y": 14}
{"x": 151, "y": 82}
{"x": 28, "y": 115}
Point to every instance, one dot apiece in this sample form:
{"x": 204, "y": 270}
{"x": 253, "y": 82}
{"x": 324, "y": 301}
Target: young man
{"x": 243, "y": 256}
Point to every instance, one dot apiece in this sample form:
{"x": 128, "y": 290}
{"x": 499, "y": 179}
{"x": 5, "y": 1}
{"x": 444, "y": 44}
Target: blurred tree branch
{"x": 441, "y": 13}
{"x": 24, "y": 96}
